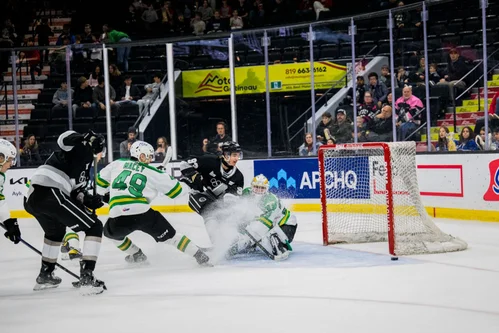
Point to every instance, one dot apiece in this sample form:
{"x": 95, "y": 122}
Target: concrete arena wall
{"x": 457, "y": 186}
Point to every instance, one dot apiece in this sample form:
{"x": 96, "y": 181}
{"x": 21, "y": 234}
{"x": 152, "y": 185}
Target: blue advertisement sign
{"x": 299, "y": 178}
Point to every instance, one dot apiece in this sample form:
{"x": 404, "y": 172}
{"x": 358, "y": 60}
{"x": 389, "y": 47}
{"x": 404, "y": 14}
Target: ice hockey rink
{"x": 354, "y": 288}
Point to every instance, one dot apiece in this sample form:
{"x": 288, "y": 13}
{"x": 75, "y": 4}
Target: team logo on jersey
{"x": 492, "y": 193}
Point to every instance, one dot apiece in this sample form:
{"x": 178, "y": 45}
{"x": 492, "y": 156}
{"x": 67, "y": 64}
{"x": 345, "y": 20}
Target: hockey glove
{"x": 13, "y": 233}
{"x": 93, "y": 201}
{"x": 193, "y": 179}
{"x": 89, "y": 136}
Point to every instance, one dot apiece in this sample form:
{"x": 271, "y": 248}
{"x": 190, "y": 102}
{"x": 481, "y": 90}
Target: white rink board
{"x": 446, "y": 181}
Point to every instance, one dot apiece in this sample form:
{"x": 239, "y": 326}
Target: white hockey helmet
{"x": 7, "y": 152}
{"x": 140, "y": 147}
{"x": 260, "y": 185}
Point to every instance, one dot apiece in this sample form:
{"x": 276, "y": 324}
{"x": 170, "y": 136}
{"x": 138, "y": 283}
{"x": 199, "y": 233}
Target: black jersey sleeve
{"x": 235, "y": 184}
{"x": 69, "y": 139}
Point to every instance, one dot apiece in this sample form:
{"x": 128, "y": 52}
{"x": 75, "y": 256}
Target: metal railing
{"x": 324, "y": 98}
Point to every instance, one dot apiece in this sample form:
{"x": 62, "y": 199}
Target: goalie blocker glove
{"x": 13, "y": 233}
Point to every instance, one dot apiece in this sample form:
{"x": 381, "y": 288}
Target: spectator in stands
{"x": 206, "y": 11}
{"x": 44, "y": 31}
{"x": 434, "y": 76}
{"x": 243, "y": 8}
{"x": 32, "y": 57}
{"x": 402, "y": 77}
{"x": 83, "y": 96}
{"x": 66, "y": 33}
{"x": 88, "y": 37}
{"x": 402, "y": 19}
{"x": 361, "y": 89}
{"x": 445, "y": 141}
{"x": 480, "y": 139}
{"x": 198, "y": 26}
{"x": 379, "y": 129}
{"x": 325, "y": 127}
{"x": 60, "y": 99}
{"x": 213, "y": 146}
{"x": 161, "y": 147}
{"x": 167, "y": 18}
{"x": 467, "y": 140}
{"x": 305, "y": 10}
{"x": 94, "y": 76}
{"x": 378, "y": 89}
{"x": 236, "y": 22}
{"x": 123, "y": 52}
{"x": 493, "y": 114}
{"x": 408, "y": 108}
{"x": 115, "y": 77}
{"x": 385, "y": 77}
{"x": 152, "y": 90}
{"x": 225, "y": 10}
{"x": 495, "y": 139}
{"x": 99, "y": 96}
{"x": 457, "y": 69}
{"x": 30, "y": 154}
{"x": 9, "y": 33}
{"x": 257, "y": 14}
{"x": 307, "y": 148}
{"x": 216, "y": 24}
{"x": 125, "y": 145}
{"x": 418, "y": 76}
{"x": 128, "y": 92}
{"x": 321, "y": 7}
{"x": 368, "y": 109}
{"x": 183, "y": 26}
{"x": 342, "y": 128}
{"x": 389, "y": 100}
{"x": 150, "y": 18}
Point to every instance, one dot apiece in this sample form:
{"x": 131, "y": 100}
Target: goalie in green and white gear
{"x": 131, "y": 185}
{"x": 274, "y": 228}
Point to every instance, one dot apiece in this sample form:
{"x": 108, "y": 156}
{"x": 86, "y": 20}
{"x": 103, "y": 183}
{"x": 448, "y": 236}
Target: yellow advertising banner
{"x": 251, "y": 79}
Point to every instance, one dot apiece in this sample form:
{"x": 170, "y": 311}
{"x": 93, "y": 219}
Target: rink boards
{"x": 457, "y": 186}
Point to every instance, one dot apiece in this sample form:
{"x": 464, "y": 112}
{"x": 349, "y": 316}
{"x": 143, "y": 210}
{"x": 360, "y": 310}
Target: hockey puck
{"x": 395, "y": 258}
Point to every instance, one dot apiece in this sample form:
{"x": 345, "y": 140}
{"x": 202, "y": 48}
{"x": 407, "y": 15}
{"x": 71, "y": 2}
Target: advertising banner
{"x": 251, "y": 79}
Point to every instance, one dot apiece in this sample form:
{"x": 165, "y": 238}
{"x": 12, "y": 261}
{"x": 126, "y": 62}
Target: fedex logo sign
{"x": 492, "y": 193}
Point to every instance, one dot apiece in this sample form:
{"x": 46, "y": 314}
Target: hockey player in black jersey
{"x": 57, "y": 198}
{"x": 211, "y": 177}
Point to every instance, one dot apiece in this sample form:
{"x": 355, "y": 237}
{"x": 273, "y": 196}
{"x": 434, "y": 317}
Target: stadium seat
{"x": 39, "y": 116}
{"x": 54, "y": 130}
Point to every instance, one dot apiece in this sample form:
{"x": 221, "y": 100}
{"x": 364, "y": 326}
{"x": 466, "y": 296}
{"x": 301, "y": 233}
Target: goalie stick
{"x": 37, "y": 251}
{"x": 260, "y": 246}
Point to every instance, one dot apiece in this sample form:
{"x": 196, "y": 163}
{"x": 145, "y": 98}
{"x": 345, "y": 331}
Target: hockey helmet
{"x": 7, "y": 152}
{"x": 260, "y": 185}
{"x": 140, "y": 147}
{"x": 228, "y": 148}
{"x": 99, "y": 145}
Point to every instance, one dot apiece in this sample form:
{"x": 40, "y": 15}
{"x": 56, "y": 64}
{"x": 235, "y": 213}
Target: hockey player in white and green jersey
{"x": 8, "y": 155}
{"x": 274, "y": 227}
{"x": 132, "y": 184}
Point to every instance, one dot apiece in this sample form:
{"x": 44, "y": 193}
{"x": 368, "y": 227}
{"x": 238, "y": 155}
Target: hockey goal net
{"x": 370, "y": 193}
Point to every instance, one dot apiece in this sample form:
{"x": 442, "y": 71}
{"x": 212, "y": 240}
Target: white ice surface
{"x": 354, "y": 288}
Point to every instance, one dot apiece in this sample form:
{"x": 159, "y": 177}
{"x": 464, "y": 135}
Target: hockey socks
{"x": 184, "y": 244}
{"x": 126, "y": 245}
{"x": 71, "y": 246}
{"x": 72, "y": 239}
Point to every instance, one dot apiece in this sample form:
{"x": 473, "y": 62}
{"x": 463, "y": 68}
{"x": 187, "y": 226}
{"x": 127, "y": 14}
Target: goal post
{"x": 369, "y": 193}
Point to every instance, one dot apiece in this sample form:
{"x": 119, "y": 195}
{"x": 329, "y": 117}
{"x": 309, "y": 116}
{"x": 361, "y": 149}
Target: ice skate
{"x": 46, "y": 280}
{"x": 136, "y": 258}
{"x": 202, "y": 259}
{"x": 89, "y": 285}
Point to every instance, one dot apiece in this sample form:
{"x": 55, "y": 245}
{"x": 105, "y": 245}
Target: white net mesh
{"x": 357, "y": 200}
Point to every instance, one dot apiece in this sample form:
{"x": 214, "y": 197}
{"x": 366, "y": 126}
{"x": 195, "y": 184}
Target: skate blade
{"x": 139, "y": 263}
{"x": 39, "y": 287}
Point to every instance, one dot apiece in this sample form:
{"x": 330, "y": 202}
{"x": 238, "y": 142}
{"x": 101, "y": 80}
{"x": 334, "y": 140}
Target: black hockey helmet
{"x": 228, "y": 148}
{"x": 99, "y": 145}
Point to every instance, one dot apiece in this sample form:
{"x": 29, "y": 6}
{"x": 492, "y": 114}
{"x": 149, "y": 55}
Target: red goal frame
{"x": 389, "y": 186}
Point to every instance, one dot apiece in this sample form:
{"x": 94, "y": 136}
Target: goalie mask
{"x": 260, "y": 185}
{"x": 140, "y": 148}
{"x": 7, "y": 152}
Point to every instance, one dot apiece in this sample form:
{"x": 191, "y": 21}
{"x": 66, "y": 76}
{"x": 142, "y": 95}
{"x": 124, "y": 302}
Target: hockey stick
{"x": 168, "y": 157}
{"x": 260, "y": 246}
{"x": 94, "y": 191}
{"x": 36, "y": 250}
